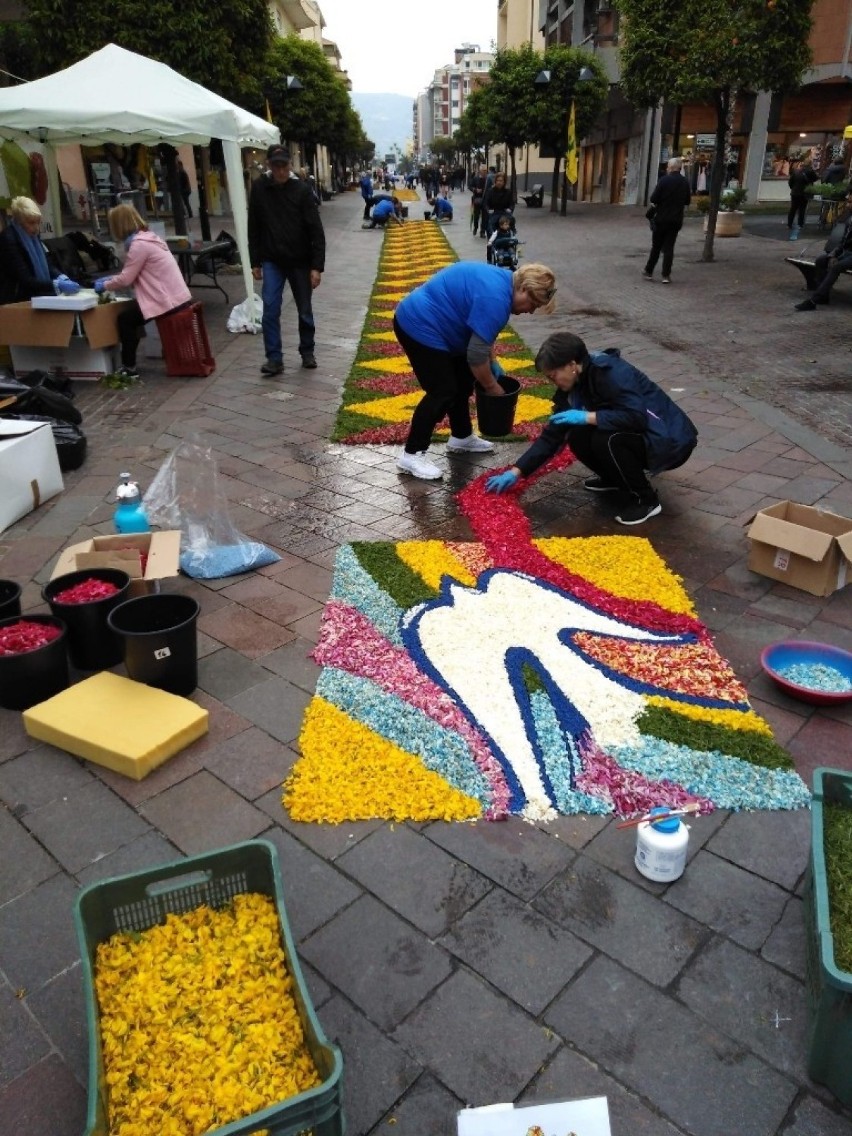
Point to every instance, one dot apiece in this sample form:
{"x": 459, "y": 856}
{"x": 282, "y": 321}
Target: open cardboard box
{"x": 29, "y": 468}
{"x": 46, "y": 340}
{"x": 588, "y": 1117}
{"x": 802, "y": 546}
{"x": 123, "y": 551}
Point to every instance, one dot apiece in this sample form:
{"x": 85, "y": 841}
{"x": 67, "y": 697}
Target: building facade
{"x": 438, "y": 110}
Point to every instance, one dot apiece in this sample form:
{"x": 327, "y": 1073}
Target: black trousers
{"x": 618, "y": 457}
{"x": 798, "y": 205}
{"x": 663, "y": 237}
{"x": 129, "y": 322}
{"x": 447, "y": 381}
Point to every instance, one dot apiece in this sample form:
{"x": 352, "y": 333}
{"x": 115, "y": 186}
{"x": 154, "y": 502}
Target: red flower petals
{"x": 26, "y": 635}
{"x": 87, "y": 591}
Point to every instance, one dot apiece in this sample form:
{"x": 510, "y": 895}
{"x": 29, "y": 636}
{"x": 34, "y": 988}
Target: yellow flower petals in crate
{"x": 198, "y": 1014}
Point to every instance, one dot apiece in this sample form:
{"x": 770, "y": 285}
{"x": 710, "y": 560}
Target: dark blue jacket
{"x": 623, "y": 398}
{"x": 671, "y": 196}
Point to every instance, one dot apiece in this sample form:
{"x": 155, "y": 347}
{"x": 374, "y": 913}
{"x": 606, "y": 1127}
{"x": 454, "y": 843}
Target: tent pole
{"x": 239, "y": 206}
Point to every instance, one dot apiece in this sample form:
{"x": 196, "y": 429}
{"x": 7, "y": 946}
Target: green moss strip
{"x": 404, "y": 587}
{"x": 759, "y": 749}
{"x": 837, "y": 838}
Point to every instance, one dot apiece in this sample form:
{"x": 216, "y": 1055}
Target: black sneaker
{"x": 646, "y": 275}
{"x": 309, "y": 362}
{"x": 806, "y": 306}
{"x": 270, "y": 367}
{"x": 598, "y": 485}
{"x": 638, "y": 514}
{"x": 128, "y": 373}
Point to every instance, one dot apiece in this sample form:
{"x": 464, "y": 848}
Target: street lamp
{"x": 543, "y": 79}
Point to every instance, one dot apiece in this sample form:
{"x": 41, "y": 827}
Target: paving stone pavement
{"x": 463, "y": 964}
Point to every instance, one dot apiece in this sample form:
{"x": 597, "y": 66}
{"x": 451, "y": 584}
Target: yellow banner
{"x": 571, "y": 149}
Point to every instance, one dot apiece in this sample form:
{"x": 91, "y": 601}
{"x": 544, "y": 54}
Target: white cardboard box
{"x": 29, "y": 469}
{"x": 80, "y": 342}
{"x": 78, "y": 360}
{"x": 584, "y": 1117}
{"x": 81, "y": 301}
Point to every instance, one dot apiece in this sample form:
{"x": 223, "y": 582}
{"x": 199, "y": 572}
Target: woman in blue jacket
{"x": 616, "y": 421}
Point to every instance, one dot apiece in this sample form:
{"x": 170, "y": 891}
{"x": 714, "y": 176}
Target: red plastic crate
{"x": 186, "y": 347}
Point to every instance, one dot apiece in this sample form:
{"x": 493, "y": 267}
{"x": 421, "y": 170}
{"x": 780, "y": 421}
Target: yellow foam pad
{"x": 126, "y": 726}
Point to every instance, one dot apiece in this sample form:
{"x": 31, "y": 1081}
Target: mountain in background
{"x": 387, "y": 120}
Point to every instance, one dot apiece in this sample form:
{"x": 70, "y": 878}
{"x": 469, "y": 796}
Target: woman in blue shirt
{"x": 448, "y": 327}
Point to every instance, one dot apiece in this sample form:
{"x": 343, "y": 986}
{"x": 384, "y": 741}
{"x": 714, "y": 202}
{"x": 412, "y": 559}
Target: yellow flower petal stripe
{"x": 382, "y": 336}
{"x": 747, "y": 720}
{"x": 511, "y": 363}
{"x": 198, "y": 1022}
{"x": 400, "y": 407}
{"x": 601, "y": 560}
{"x": 347, "y": 772}
{"x": 390, "y": 296}
{"x": 432, "y": 560}
{"x": 391, "y": 365}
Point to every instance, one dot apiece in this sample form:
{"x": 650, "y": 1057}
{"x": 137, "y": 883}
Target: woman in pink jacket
{"x": 152, "y": 271}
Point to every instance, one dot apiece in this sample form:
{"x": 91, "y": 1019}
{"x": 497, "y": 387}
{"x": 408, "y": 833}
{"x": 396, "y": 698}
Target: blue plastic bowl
{"x": 778, "y": 656}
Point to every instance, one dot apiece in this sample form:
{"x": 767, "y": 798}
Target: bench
{"x": 535, "y": 199}
{"x": 807, "y": 264}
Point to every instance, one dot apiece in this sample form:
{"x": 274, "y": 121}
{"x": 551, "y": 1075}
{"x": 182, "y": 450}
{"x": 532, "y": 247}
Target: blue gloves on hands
{"x": 569, "y": 418}
{"x": 66, "y": 286}
{"x": 500, "y": 482}
{"x": 100, "y": 285}
{"x": 496, "y": 370}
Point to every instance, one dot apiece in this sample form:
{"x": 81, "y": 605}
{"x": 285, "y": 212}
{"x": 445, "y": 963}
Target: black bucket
{"x": 10, "y": 599}
{"x": 32, "y": 676}
{"x": 405, "y": 211}
{"x": 92, "y": 644}
{"x": 427, "y": 214}
{"x": 160, "y": 641}
{"x": 496, "y": 414}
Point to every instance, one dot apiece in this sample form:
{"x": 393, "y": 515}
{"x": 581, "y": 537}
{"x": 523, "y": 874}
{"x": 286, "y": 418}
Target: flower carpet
{"x": 381, "y": 391}
{"x": 523, "y": 676}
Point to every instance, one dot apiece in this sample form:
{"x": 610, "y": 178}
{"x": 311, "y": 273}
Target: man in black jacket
{"x": 671, "y": 196}
{"x": 829, "y": 265}
{"x": 286, "y": 246}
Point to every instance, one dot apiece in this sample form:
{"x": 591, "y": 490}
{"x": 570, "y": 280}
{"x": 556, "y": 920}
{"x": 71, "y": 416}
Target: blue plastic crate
{"x": 144, "y": 899}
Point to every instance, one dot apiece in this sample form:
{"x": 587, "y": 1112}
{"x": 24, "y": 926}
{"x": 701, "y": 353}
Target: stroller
{"x": 503, "y": 248}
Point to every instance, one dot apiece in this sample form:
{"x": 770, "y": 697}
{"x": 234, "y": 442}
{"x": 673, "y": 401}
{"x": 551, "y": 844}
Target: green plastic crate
{"x": 829, "y": 989}
{"x": 144, "y": 899}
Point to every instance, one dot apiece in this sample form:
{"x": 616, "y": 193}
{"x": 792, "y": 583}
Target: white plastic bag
{"x": 186, "y": 494}
{"x": 246, "y": 316}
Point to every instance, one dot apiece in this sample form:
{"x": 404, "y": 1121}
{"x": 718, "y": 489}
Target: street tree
{"x": 552, "y": 101}
{"x": 509, "y": 99}
{"x": 218, "y": 43}
{"x": 690, "y": 51}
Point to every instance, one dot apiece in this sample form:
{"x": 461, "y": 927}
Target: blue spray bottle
{"x": 129, "y": 515}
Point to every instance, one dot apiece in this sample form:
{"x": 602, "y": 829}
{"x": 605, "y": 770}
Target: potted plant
{"x": 729, "y": 219}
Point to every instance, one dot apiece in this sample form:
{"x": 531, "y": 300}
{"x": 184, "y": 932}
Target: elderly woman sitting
{"x": 24, "y": 268}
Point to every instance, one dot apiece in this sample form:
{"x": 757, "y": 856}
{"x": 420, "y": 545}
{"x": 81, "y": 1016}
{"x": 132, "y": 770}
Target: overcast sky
{"x": 385, "y": 47}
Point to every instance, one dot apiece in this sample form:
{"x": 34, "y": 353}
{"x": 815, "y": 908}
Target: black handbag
{"x": 650, "y": 213}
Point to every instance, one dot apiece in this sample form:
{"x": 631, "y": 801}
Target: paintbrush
{"x": 693, "y": 807}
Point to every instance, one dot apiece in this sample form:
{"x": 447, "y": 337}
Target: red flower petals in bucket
{"x": 26, "y": 635}
{"x": 86, "y": 592}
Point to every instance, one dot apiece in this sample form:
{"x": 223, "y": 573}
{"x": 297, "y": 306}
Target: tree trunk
{"x": 724, "y": 100}
{"x": 554, "y": 187}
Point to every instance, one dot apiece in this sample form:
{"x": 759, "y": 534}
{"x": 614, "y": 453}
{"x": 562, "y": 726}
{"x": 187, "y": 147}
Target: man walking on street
{"x": 670, "y": 197}
{"x": 286, "y": 246}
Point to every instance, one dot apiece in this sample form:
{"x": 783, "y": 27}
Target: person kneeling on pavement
{"x": 442, "y": 208}
{"x": 389, "y": 209}
{"x": 616, "y": 421}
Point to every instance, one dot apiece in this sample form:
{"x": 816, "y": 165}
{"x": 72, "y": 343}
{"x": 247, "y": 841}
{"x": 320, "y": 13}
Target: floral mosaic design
{"x": 381, "y": 390}
{"x": 526, "y": 677}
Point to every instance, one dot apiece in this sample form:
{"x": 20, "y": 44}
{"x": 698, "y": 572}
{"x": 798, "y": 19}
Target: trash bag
{"x": 71, "y": 442}
{"x": 243, "y": 319}
{"x": 39, "y": 400}
{"x": 186, "y": 494}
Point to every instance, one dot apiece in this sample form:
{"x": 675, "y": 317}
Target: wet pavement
{"x": 465, "y": 964}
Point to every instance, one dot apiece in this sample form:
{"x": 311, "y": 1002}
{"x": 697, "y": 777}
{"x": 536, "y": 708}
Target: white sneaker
{"x": 472, "y": 444}
{"x": 418, "y": 465}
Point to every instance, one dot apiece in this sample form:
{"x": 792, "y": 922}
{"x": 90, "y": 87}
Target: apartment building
{"x": 438, "y": 110}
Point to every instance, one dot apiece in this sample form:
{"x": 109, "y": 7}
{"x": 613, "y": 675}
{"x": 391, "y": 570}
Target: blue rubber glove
{"x": 66, "y": 286}
{"x": 569, "y": 418}
{"x": 496, "y": 370}
{"x": 100, "y": 285}
{"x": 500, "y": 482}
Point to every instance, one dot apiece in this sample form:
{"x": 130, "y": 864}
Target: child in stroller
{"x": 502, "y": 248}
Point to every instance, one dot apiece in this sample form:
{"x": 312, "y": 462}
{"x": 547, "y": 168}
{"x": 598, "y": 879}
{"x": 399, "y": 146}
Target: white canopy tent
{"x": 118, "y": 96}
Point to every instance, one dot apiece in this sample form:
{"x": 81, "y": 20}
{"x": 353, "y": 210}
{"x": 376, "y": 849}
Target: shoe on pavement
{"x": 309, "y": 361}
{"x": 806, "y": 306}
{"x": 472, "y": 444}
{"x": 418, "y": 465}
{"x": 598, "y": 485}
{"x": 271, "y": 367}
{"x": 128, "y": 373}
{"x": 638, "y": 514}
{"x": 667, "y": 279}
{"x": 646, "y": 275}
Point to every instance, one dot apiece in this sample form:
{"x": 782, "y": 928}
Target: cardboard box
{"x": 80, "y": 342}
{"x": 81, "y": 301}
{"x": 588, "y": 1117}
{"x": 29, "y": 468}
{"x": 122, "y": 551}
{"x": 801, "y": 546}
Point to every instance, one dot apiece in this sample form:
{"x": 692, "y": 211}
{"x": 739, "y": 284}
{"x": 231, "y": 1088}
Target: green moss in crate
{"x": 837, "y": 820}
